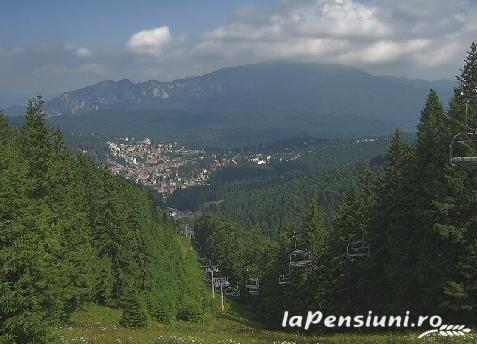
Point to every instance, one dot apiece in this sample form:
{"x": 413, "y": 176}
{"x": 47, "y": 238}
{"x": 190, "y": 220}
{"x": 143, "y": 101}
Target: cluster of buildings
{"x": 367, "y": 140}
{"x": 166, "y": 167}
{"x": 264, "y": 159}
{"x": 163, "y": 167}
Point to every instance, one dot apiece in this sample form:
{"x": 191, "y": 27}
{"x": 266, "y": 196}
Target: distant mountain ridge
{"x": 301, "y": 98}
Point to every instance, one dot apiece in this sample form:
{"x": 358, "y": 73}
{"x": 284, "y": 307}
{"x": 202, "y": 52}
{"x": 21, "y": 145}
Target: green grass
{"x": 96, "y": 324}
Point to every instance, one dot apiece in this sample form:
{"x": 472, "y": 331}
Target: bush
{"x": 191, "y": 310}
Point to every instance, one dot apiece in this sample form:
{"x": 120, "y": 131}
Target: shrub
{"x": 191, "y": 310}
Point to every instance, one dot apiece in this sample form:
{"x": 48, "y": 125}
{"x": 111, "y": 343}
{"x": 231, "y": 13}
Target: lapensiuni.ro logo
{"x": 429, "y": 325}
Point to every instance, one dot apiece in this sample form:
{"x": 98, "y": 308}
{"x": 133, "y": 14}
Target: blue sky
{"x": 106, "y": 23}
{"x": 53, "y": 46}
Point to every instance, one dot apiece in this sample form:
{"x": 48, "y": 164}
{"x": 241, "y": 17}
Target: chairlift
{"x": 358, "y": 250}
{"x": 463, "y": 140}
{"x": 299, "y": 258}
{"x": 231, "y": 291}
{"x": 252, "y": 284}
{"x": 284, "y": 280}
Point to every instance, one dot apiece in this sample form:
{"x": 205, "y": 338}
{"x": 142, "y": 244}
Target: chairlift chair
{"x": 231, "y": 291}
{"x": 358, "y": 250}
{"x": 252, "y": 284}
{"x": 300, "y": 258}
{"x": 228, "y": 291}
{"x": 284, "y": 280}
{"x": 463, "y": 138}
{"x": 236, "y": 293}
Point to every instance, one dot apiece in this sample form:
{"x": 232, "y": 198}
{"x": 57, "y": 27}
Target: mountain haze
{"x": 275, "y": 99}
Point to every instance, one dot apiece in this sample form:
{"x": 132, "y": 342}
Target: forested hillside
{"x": 404, "y": 238}
{"x": 72, "y": 233}
{"x": 266, "y": 196}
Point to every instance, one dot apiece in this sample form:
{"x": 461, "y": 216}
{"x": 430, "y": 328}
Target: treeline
{"x": 72, "y": 233}
{"x": 417, "y": 213}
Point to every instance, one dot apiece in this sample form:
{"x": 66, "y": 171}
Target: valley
{"x": 238, "y": 172}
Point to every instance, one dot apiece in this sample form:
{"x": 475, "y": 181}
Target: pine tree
{"x": 134, "y": 312}
{"x": 432, "y": 136}
{"x": 315, "y": 234}
{"x": 392, "y": 229}
{"x": 468, "y": 74}
{"x": 429, "y": 179}
{"x": 36, "y": 143}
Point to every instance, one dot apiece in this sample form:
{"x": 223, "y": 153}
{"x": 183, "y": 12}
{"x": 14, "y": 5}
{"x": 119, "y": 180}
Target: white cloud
{"x": 12, "y": 52}
{"x": 363, "y": 33}
{"x": 83, "y": 52}
{"x": 149, "y": 42}
{"x": 338, "y": 18}
{"x": 384, "y": 52}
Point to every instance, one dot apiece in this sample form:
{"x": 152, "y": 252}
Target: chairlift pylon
{"x": 221, "y": 282}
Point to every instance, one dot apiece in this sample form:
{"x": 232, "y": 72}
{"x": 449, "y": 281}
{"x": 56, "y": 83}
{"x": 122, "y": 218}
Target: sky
{"x": 53, "y": 46}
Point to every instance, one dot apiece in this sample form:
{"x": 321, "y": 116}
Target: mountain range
{"x": 258, "y": 101}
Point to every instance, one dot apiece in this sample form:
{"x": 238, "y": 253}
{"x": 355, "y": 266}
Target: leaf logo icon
{"x": 448, "y": 331}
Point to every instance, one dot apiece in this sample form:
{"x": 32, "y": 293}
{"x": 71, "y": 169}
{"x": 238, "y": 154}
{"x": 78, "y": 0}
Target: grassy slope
{"x": 97, "y": 324}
